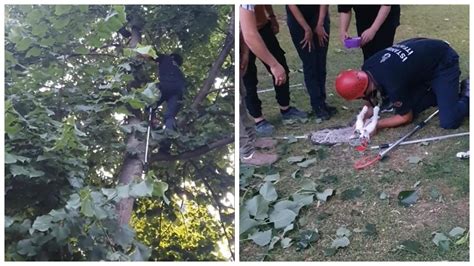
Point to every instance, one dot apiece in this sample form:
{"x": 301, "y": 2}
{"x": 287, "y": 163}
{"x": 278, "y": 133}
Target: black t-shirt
{"x": 365, "y": 15}
{"x": 404, "y": 71}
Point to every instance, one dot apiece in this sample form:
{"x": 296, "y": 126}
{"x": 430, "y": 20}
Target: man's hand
{"x": 308, "y": 39}
{"x": 322, "y": 35}
{"x": 367, "y": 36}
{"x": 279, "y": 74}
{"x": 343, "y": 36}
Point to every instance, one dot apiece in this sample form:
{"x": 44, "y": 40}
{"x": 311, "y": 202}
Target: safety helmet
{"x": 351, "y": 84}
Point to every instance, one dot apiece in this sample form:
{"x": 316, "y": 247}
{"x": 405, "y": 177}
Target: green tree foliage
{"x": 75, "y": 94}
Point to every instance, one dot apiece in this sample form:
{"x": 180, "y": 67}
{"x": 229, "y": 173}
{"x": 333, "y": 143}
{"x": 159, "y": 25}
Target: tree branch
{"x": 194, "y": 153}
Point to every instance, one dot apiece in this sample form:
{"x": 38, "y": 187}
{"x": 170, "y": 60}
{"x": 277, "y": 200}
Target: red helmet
{"x": 351, "y": 84}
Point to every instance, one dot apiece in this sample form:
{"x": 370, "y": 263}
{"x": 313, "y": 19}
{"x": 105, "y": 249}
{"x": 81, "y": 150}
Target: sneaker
{"x": 293, "y": 113}
{"x": 331, "y": 109}
{"x": 322, "y": 113}
{"x": 386, "y": 107}
{"x": 263, "y": 143}
{"x": 264, "y": 128}
{"x": 465, "y": 87}
{"x": 260, "y": 159}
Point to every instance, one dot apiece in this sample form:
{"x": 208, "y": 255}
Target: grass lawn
{"x": 441, "y": 179}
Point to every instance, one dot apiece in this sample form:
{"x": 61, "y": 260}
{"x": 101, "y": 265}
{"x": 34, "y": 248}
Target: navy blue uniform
{"x": 172, "y": 86}
{"x": 365, "y": 15}
{"x": 314, "y": 62}
{"x": 418, "y": 73}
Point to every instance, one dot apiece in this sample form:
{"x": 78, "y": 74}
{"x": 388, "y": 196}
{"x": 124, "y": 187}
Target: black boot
{"x": 322, "y": 113}
{"x": 331, "y": 109}
{"x": 465, "y": 88}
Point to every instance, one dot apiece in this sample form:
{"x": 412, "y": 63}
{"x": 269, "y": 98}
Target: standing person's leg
{"x": 250, "y": 81}
{"x": 321, "y": 72}
{"x": 282, "y": 92}
{"x": 248, "y": 154}
{"x": 310, "y": 74}
{"x": 452, "y": 107}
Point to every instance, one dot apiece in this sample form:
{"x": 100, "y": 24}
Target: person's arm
{"x": 320, "y": 31}
{"x": 273, "y": 20}
{"x": 308, "y": 32}
{"x": 344, "y": 21}
{"x": 368, "y": 34}
{"x": 244, "y": 55}
{"x": 395, "y": 121}
{"x": 255, "y": 43}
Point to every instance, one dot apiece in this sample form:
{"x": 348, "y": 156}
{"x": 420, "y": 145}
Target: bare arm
{"x": 255, "y": 43}
{"x": 308, "y": 32}
{"x": 344, "y": 20}
{"x": 320, "y": 31}
{"x": 395, "y": 121}
{"x": 369, "y": 34}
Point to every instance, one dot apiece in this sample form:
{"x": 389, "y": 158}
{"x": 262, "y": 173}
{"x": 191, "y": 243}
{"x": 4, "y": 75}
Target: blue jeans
{"x": 314, "y": 62}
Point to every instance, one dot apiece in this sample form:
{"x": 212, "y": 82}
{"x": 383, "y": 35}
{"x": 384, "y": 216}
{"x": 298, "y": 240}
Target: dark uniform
{"x": 419, "y": 73}
{"x": 172, "y": 86}
{"x": 314, "y": 62}
{"x": 365, "y": 15}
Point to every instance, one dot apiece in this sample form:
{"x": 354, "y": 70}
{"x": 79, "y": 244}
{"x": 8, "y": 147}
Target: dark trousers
{"x": 254, "y": 105}
{"x": 314, "y": 62}
{"x": 172, "y": 93}
{"x": 382, "y": 39}
{"x": 445, "y": 93}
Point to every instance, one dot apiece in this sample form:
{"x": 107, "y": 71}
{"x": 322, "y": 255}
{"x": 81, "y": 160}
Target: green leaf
{"x": 296, "y": 174}
{"x": 17, "y": 170}
{"x": 325, "y": 194}
{"x": 383, "y": 196}
{"x": 456, "y": 232}
{"x": 268, "y": 192}
{"x": 441, "y": 240}
{"x": 274, "y": 240}
{"x": 286, "y": 242}
{"x": 272, "y": 178}
{"x": 24, "y": 44}
{"x": 407, "y": 198}
{"x": 288, "y": 204}
{"x": 246, "y": 223}
{"x": 123, "y": 191}
{"x": 350, "y": 194}
{"x": 413, "y": 159}
{"x": 159, "y": 189}
{"x": 343, "y": 231}
{"x": 282, "y": 218}
{"x": 142, "y": 189}
{"x": 295, "y": 159}
{"x": 86, "y": 207}
{"x": 61, "y": 233}
{"x": 410, "y": 246}
{"x": 262, "y": 238}
{"x": 110, "y": 193}
{"x": 151, "y": 93}
{"x": 146, "y": 50}
{"x": 463, "y": 239}
{"x": 124, "y": 236}
{"x": 140, "y": 253}
{"x": 42, "y": 223}
{"x": 303, "y": 200}
{"x": 341, "y": 242}
{"x": 33, "y": 52}
{"x": 62, "y": 9}
{"x": 74, "y": 202}
{"x": 9, "y": 221}
{"x": 306, "y": 163}
{"x": 58, "y": 215}
{"x": 257, "y": 207}
{"x": 26, "y": 247}
{"x": 11, "y": 158}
